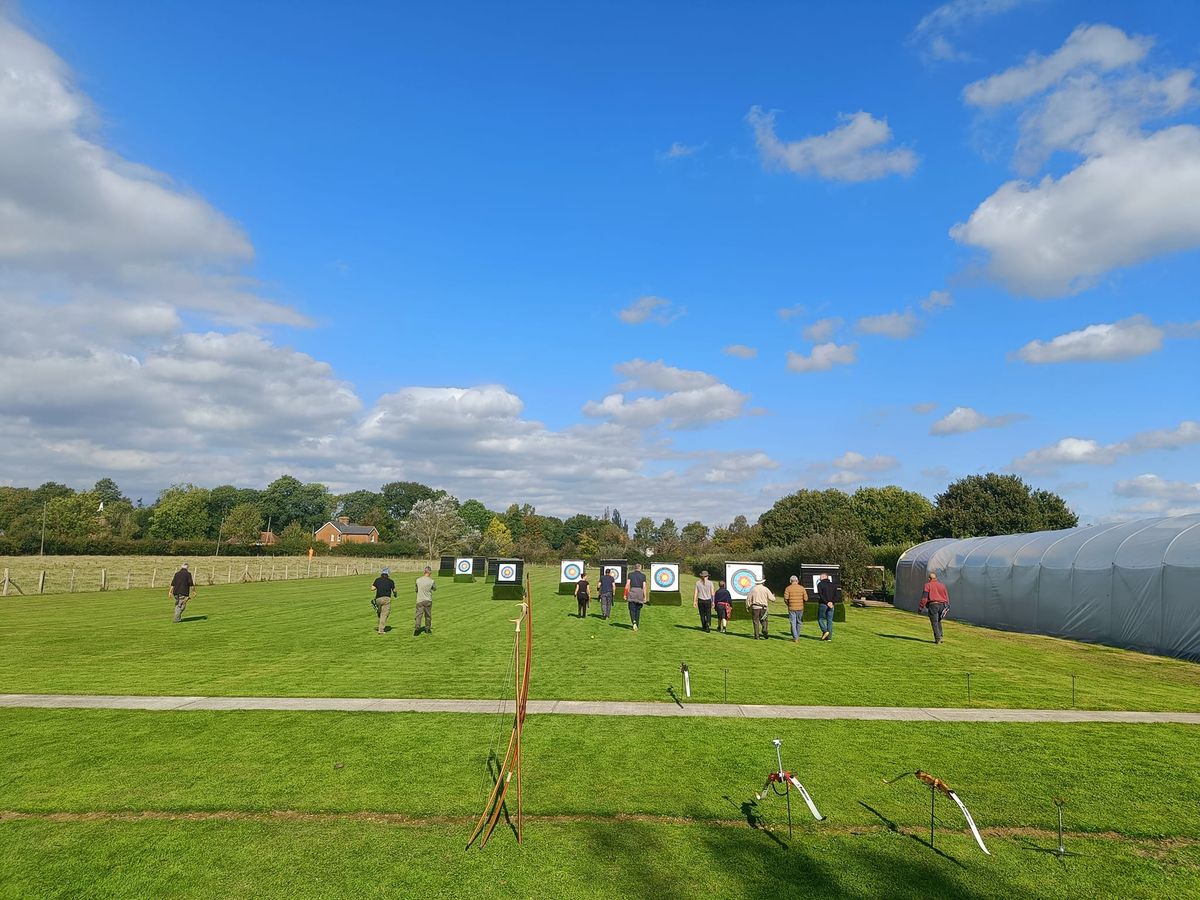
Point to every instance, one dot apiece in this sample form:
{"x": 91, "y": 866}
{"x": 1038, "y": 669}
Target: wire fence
{"x": 31, "y": 575}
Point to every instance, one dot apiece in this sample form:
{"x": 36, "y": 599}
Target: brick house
{"x": 342, "y": 531}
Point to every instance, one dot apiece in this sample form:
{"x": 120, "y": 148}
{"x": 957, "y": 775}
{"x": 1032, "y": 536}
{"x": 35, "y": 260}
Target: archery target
{"x": 506, "y": 572}
{"x": 740, "y": 578}
{"x": 664, "y": 577}
{"x": 572, "y": 570}
{"x": 464, "y": 565}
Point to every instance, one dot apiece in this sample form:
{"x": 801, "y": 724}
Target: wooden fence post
{"x": 104, "y": 579}
{"x": 5, "y": 593}
{"x": 42, "y": 582}
{"x": 285, "y": 568}
{"x": 271, "y": 577}
{"x": 153, "y": 575}
{"x": 71, "y": 589}
{"x": 128, "y": 580}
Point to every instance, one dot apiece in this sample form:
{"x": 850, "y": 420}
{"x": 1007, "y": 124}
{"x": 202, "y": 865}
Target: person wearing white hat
{"x": 756, "y": 602}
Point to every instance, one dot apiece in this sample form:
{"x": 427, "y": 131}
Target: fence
{"x": 28, "y": 575}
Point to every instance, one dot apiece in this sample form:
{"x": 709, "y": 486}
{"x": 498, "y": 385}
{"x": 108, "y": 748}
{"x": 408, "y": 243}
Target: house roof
{"x": 351, "y": 528}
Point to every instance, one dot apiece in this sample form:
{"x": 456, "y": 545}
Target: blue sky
{"x": 680, "y": 260}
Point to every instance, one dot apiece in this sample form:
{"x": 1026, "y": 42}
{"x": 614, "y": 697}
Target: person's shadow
{"x": 193, "y": 618}
{"x": 904, "y": 637}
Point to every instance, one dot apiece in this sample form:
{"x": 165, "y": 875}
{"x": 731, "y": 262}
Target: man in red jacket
{"x": 935, "y": 601}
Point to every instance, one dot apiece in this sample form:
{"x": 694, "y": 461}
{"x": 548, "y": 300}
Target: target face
{"x": 740, "y": 578}
{"x": 464, "y": 565}
{"x": 665, "y": 577}
{"x": 506, "y": 572}
{"x": 572, "y": 570}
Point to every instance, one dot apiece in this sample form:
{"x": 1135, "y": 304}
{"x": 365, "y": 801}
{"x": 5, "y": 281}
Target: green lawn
{"x": 315, "y": 638}
{"x": 119, "y": 803}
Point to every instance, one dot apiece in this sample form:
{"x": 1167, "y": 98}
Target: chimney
{"x": 345, "y": 520}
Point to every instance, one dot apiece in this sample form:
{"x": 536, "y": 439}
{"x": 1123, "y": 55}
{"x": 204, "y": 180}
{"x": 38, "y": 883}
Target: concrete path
{"x": 596, "y": 708}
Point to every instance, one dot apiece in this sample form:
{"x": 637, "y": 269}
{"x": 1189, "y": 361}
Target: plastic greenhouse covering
{"x": 1131, "y": 584}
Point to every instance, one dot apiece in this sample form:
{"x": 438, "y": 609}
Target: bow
{"x": 936, "y": 784}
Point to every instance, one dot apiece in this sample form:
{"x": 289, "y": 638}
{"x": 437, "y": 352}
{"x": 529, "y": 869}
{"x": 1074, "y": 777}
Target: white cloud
{"x": 1073, "y": 450}
{"x": 1105, "y": 342}
{"x": 679, "y": 151}
{"x": 822, "y": 329}
{"x": 937, "y": 300}
{"x": 854, "y": 468}
{"x": 854, "y": 151}
{"x": 964, "y": 419}
{"x": 790, "y": 312}
{"x": 1099, "y": 47}
{"x": 653, "y": 309}
{"x": 1139, "y": 200}
{"x": 741, "y": 351}
{"x": 1159, "y": 496}
{"x": 731, "y": 468}
{"x": 932, "y": 33}
{"x": 898, "y": 326}
{"x": 823, "y": 357}
{"x": 690, "y": 408}
{"x": 644, "y": 375}
{"x": 922, "y": 409}
{"x": 1135, "y": 194}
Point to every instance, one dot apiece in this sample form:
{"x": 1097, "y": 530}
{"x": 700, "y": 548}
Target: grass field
{"x": 119, "y": 803}
{"x": 315, "y": 638}
{"x": 82, "y": 574}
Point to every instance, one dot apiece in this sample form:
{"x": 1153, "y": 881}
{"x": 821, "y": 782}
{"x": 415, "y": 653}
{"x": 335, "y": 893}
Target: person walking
{"x": 826, "y": 594}
{"x": 794, "y": 595}
{"x": 756, "y": 601}
{"x": 182, "y": 589}
{"x": 935, "y": 602}
{"x": 608, "y": 582}
{"x": 425, "y": 588}
{"x": 702, "y": 598}
{"x": 723, "y": 601}
{"x": 635, "y": 594}
{"x": 385, "y": 590}
{"x": 581, "y": 594}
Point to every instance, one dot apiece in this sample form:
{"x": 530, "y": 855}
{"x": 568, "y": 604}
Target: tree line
{"x": 417, "y": 519}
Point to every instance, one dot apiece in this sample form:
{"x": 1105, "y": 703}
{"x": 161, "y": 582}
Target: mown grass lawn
{"x": 118, "y": 803}
{"x": 316, "y": 638}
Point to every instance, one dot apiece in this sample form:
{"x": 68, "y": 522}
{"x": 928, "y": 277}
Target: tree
{"x": 694, "y": 534}
{"x": 667, "y": 532}
{"x": 295, "y": 539}
{"x": 358, "y": 504}
{"x": 47, "y": 491}
{"x": 476, "y": 515}
{"x": 644, "y": 533}
{"x": 1053, "y": 511}
{"x": 107, "y": 491}
{"x": 891, "y": 515}
{"x": 739, "y": 539}
{"x": 74, "y": 515}
{"x": 243, "y": 524}
{"x": 991, "y": 504}
{"x": 181, "y": 513}
{"x": 287, "y": 500}
{"x": 399, "y": 497}
{"x": 616, "y": 519}
{"x": 807, "y": 512}
{"x": 436, "y": 526}
{"x": 589, "y": 547}
{"x": 497, "y": 539}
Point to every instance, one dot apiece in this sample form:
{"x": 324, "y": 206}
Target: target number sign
{"x": 464, "y": 565}
{"x": 572, "y": 570}
{"x": 740, "y": 578}
{"x": 664, "y": 577}
{"x": 506, "y": 572}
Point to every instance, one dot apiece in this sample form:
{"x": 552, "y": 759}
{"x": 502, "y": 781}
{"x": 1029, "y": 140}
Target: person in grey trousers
{"x": 425, "y": 588}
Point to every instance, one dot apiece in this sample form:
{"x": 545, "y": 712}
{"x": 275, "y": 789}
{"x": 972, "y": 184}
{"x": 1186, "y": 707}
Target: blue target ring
{"x": 508, "y": 573}
{"x": 743, "y": 580}
{"x": 664, "y": 578}
{"x": 571, "y": 572}
{"x": 465, "y": 566}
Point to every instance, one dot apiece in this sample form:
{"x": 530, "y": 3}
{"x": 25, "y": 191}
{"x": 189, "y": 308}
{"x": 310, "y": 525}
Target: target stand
{"x": 782, "y": 777}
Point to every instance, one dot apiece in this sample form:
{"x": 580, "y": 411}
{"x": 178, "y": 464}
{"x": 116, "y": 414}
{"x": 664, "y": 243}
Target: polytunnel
{"x": 1130, "y": 584}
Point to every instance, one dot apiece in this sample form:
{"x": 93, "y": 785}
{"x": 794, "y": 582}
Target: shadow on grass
{"x": 701, "y": 630}
{"x": 194, "y": 619}
{"x": 895, "y": 829}
{"x": 750, "y": 812}
{"x": 674, "y": 696}
{"x": 904, "y": 637}
{"x": 624, "y": 625}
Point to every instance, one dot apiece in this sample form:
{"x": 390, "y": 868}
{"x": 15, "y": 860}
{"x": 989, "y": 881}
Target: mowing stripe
{"x": 594, "y": 708}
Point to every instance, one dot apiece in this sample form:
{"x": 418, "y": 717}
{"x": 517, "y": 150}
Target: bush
{"x": 380, "y": 550}
{"x": 887, "y": 555}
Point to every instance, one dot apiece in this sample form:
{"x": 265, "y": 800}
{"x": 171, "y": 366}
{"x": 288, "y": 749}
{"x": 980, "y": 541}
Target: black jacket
{"x": 826, "y": 591}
